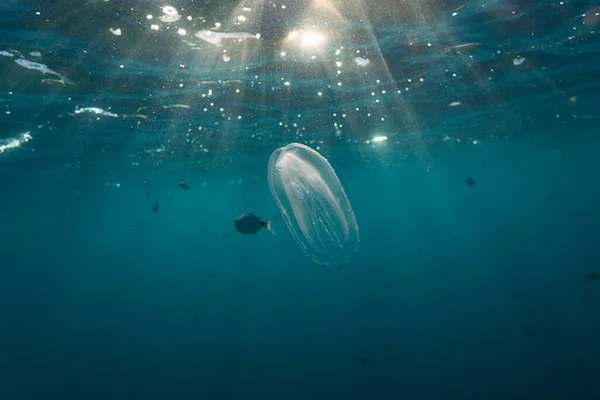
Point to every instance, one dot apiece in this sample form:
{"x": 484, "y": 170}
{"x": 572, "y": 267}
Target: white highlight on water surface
{"x": 96, "y": 110}
{"x": 169, "y": 18}
{"x": 518, "y": 60}
{"x": 169, "y": 10}
{"x": 42, "y": 68}
{"x": 216, "y": 37}
{"x": 307, "y": 39}
{"x": 13, "y": 143}
{"x": 362, "y": 62}
{"x": 377, "y": 139}
{"x": 170, "y": 14}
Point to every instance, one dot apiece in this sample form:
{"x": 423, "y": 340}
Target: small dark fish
{"x": 184, "y": 185}
{"x": 470, "y": 181}
{"x": 592, "y": 276}
{"x": 586, "y": 298}
{"x": 147, "y": 195}
{"x": 528, "y": 333}
{"x": 250, "y": 223}
{"x": 155, "y": 207}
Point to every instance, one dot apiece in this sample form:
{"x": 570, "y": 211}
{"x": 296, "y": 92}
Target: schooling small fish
{"x": 155, "y": 207}
{"x": 250, "y": 223}
{"x": 592, "y": 276}
{"x": 183, "y": 185}
{"x": 470, "y": 181}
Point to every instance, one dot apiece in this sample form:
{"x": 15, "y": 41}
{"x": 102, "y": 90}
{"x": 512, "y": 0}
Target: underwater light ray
{"x": 484, "y": 79}
{"x": 237, "y": 46}
{"x": 327, "y": 6}
{"x": 408, "y": 113}
{"x": 348, "y": 29}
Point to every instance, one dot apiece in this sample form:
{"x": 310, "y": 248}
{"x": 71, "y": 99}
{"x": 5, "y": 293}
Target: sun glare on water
{"x": 307, "y": 39}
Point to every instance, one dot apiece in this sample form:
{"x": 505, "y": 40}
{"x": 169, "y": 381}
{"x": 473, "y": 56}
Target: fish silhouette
{"x": 250, "y": 223}
{"x": 183, "y": 185}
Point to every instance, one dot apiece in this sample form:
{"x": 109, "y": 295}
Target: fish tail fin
{"x": 269, "y": 226}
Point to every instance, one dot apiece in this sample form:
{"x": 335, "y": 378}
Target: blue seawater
{"x": 457, "y": 291}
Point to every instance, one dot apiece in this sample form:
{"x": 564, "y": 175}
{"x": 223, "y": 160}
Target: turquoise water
{"x": 456, "y": 291}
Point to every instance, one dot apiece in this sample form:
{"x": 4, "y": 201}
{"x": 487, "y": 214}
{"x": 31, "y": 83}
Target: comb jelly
{"x": 313, "y": 204}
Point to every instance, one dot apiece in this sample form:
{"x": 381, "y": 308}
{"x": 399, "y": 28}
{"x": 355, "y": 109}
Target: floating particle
{"x": 455, "y": 103}
{"x": 592, "y": 16}
{"x": 116, "y": 32}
